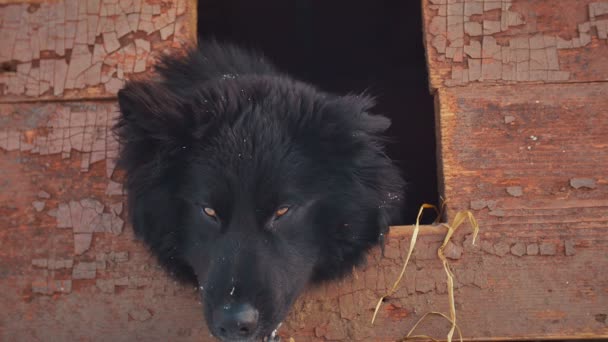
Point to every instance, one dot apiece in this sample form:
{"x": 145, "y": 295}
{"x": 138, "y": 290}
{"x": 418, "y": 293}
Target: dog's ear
{"x": 374, "y": 124}
{"x": 361, "y": 106}
{"x": 149, "y": 111}
{"x": 364, "y": 136}
{"x": 351, "y": 118}
{"x": 153, "y": 124}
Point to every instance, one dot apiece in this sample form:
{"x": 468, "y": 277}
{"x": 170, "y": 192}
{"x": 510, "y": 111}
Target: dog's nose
{"x": 236, "y": 321}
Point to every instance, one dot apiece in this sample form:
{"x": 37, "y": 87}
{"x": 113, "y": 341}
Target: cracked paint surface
{"x": 62, "y": 129}
{"x": 73, "y": 48}
{"x": 86, "y": 217}
{"x": 504, "y": 41}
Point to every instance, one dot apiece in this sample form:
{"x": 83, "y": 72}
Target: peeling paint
{"x": 532, "y": 249}
{"x": 452, "y": 251}
{"x": 84, "y": 270}
{"x": 518, "y": 249}
{"x": 482, "y": 203}
{"x": 53, "y": 264}
{"x": 569, "y": 248}
{"x": 86, "y": 217}
{"x": 114, "y": 257}
{"x": 63, "y": 128}
{"x": 502, "y": 248}
{"x": 515, "y": 191}
{"x": 43, "y": 194}
{"x": 140, "y": 314}
{"x": 57, "y": 51}
{"x": 587, "y": 183}
{"x": 114, "y": 189}
{"x": 50, "y": 287}
{"x": 38, "y": 205}
{"x": 464, "y": 34}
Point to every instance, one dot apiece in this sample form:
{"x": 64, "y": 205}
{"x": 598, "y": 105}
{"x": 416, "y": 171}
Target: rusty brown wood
{"x": 527, "y": 156}
{"x": 530, "y": 161}
{"x": 494, "y": 42}
{"x": 74, "y": 49}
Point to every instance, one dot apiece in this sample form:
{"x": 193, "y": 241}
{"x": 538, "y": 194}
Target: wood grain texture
{"x": 497, "y": 42}
{"x": 85, "y": 49}
{"x": 531, "y": 161}
{"x": 525, "y": 157}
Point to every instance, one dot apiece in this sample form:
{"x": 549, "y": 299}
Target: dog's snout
{"x": 236, "y": 321}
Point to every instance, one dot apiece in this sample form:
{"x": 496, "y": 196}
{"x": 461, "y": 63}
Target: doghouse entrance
{"x": 346, "y": 47}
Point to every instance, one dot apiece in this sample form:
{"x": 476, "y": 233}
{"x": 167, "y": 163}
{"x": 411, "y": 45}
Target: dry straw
{"x": 459, "y": 219}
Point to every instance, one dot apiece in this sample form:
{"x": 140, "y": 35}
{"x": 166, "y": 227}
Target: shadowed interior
{"x": 348, "y": 47}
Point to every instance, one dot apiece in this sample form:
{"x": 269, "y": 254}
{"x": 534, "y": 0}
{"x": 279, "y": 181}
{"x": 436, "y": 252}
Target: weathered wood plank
{"x": 493, "y": 41}
{"x": 72, "y": 49}
{"x": 527, "y": 156}
{"x": 69, "y": 270}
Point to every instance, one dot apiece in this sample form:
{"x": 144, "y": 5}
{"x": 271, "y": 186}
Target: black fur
{"x": 222, "y": 128}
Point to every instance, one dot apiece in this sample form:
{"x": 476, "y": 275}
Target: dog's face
{"x": 254, "y": 238}
{"x": 254, "y": 187}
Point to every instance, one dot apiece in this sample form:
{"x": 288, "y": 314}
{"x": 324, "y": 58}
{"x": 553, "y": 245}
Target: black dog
{"x": 250, "y": 183}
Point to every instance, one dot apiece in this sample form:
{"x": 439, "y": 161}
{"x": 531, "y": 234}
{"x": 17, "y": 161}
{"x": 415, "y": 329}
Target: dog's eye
{"x": 210, "y": 212}
{"x": 281, "y": 211}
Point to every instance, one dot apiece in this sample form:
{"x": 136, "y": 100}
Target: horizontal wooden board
{"x": 70, "y": 268}
{"x": 530, "y": 161}
{"x": 527, "y": 157}
{"x": 509, "y": 41}
{"x": 85, "y": 49}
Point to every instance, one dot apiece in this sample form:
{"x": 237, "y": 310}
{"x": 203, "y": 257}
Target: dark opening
{"x": 347, "y": 46}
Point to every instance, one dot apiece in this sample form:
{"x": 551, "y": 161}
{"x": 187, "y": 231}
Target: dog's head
{"x": 254, "y": 186}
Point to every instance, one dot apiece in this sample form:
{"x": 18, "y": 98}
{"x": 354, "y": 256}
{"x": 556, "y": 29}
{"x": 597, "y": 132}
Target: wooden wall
{"x": 522, "y": 111}
{"x": 522, "y": 119}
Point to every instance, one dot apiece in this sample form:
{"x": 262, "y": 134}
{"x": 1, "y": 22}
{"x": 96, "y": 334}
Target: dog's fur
{"x": 221, "y": 128}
